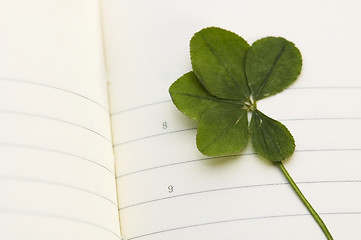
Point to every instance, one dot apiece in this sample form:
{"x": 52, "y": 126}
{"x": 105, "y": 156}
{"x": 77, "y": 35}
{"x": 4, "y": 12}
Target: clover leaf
{"x": 229, "y": 76}
{"x": 223, "y": 125}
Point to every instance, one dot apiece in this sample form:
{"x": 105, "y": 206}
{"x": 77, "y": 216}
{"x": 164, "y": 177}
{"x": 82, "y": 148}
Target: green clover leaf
{"x": 223, "y": 125}
{"x": 227, "y": 80}
{"x": 218, "y": 59}
{"x": 272, "y": 64}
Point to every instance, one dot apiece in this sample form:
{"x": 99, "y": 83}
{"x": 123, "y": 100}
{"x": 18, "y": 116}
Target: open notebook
{"x": 92, "y": 148}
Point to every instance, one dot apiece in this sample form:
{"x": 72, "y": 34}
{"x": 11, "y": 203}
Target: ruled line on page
{"x": 58, "y": 217}
{"x": 242, "y": 154}
{"x": 53, "y": 87}
{"x": 139, "y": 107}
{"x": 52, "y": 183}
{"x": 188, "y": 129}
{"x": 117, "y": 112}
{"x": 319, "y": 119}
{"x": 325, "y": 87}
{"x": 178, "y": 163}
{"x": 57, "y": 120}
{"x": 238, "y": 220}
{"x": 152, "y": 136}
{"x": 15, "y": 145}
{"x": 233, "y": 188}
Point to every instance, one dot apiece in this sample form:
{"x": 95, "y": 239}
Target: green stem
{"x": 305, "y": 202}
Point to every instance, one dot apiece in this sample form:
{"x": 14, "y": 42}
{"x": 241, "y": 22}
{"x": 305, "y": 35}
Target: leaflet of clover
{"x": 218, "y": 60}
{"x": 272, "y": 64}
{"x": 223, "y": 125}
{"x": 270, "y": 138}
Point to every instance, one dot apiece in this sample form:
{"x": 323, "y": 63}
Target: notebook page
{"x": 56, "y": 164}
{"x": 168, "y": 190}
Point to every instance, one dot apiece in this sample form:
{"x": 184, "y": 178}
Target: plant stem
{"x": 305, "y": 202}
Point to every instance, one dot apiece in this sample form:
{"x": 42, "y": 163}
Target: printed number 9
{"x": 170, "y": 188}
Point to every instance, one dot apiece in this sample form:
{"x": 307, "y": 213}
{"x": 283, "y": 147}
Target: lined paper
{"x": 168, "y": 190}
{"x": 56, "y": 166}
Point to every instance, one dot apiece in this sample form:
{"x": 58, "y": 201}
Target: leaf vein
{"x": 225, "y": 130}
{"x": 265, "y": 80}
{"x": 275, "y": 143}
{"x": 241, "y": 103}
{"x": 220, "y": 60}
